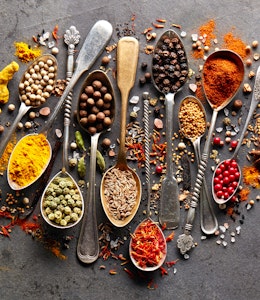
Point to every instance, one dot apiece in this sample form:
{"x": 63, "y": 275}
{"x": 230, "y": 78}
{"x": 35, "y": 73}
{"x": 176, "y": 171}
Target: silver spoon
{"x": 160, "y": 238}
{"x": 169, "y": 214}
{"x": 254, "y": 101}
{"x": 88, "y": 243}
{"x": 208, "y": 220}
{"x": 71, "y": 38}
{"x": 185, "y": 240}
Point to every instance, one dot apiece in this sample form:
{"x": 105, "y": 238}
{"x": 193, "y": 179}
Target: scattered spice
{"x": 7, "y": 152}
{"x": 235, "y": 44}
{"x": 26, "y": 53}
{"x": 251, "y": 176}
{"x": 25, "y": 163}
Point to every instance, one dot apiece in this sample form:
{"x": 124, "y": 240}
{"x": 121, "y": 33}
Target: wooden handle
{"x": 127, "y": 59}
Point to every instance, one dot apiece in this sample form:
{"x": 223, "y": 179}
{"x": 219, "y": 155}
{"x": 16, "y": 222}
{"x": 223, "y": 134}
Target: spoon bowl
{"x": 112, "y": 194}
{"x": 56, "y": 210}
{"x": 95, "y": 114}
{"x": 149, "y": 235}
{"x": 17, "y": 170}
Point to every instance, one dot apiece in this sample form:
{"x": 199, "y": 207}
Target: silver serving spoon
{"x": 254, "y": 101}
{"x": 185, "y": 240}
{"x": 88, "y": 243}
{"x": 208, "y": 220}
{"x": 160, "y": 237}
{"x": 169, "y": 214}
{"x": 71, "y": 38}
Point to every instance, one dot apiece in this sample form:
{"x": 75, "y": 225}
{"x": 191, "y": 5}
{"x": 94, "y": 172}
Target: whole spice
{"x": 5, "y": 76}
{"x": 62, "y": 202}
{"x": 81, "y": 167}
{"x": 120, "y": 193}
{"x": 79, "y": 140}
{"x": 221, "y": 78}
{"x": 170, "y": 66}
{"x": 101, "y": 161}
{"x": 192, "y": 119}
{"x": 147, "y": 245}
{"x": 30, "y": 156}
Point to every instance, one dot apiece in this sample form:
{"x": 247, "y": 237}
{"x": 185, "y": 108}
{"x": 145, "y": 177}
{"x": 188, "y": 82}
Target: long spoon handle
{"x": 127, "y": 59}
{"x": 71, "y": 38}
{"x": 169, "y": 214}
{"x": 185, "y": 240}
{"x": 147, "y": 150}
{"x": 208, "y": 220}
{"x": 88, "y": 244}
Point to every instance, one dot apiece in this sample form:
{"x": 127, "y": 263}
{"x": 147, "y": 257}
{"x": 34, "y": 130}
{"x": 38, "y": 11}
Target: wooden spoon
{"x": 127, "y": 58}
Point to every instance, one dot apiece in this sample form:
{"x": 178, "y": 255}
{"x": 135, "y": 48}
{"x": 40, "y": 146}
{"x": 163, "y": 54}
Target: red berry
{"x": 216, "y": 141}
{"x": 218, "y": 187}
{"x": 233, "y": 144}
{"x": 230, "y": 190}
{"x": 158, "y": 169}
{"x": 226, "y": 180}
{"x": 219, "y": 194}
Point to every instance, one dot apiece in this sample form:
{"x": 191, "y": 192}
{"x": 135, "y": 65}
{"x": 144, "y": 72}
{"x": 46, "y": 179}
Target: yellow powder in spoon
{"x": 28, "y": 159}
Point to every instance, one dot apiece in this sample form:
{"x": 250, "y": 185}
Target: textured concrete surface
{"x": 30, "y": 271}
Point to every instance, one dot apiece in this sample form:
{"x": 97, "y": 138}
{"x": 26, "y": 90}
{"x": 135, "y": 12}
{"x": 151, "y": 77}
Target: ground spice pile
{"x": 25, "y": 52}
{"x": 235, "y": 44}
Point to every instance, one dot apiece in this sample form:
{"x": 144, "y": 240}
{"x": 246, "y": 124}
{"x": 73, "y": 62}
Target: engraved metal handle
{"x": 71, "y": 38}
{"x": 185, "y": 240}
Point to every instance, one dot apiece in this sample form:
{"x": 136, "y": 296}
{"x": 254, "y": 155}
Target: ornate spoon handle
{"x": 71, "y": 38}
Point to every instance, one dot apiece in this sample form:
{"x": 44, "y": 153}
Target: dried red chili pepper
{"x": 55, "y": 33}
{"x": 4, "y": 231}
{"x": 147, "y": 245}
{"x": 163, "y": 271}
{"x": 130, "y": 274}
{"x": 171, "y": 263}
{"x": 170, "y": 237}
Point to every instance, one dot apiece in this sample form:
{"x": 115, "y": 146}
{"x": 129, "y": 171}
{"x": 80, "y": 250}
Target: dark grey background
{"x": 27, "y": 269}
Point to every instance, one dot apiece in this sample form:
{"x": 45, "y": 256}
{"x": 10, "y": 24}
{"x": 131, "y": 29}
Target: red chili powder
{"x": 235, "y": 44}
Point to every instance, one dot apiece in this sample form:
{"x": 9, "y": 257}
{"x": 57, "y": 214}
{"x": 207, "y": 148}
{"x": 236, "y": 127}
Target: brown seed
{"x": 92, "y": 118}
{"x": 107, "y": 97}
{"x": 45, "y": 111}
{"x": 2, "y": 128}
{"x": 89, "y": 90}
{"x": 237, "y": 104}
{"x": 105, "y": 60}
{"x": 107, "y": 121}
{"x": 100, "y": 103}
{"x": 100, "y": 116}
{"x": 106, "y": 143}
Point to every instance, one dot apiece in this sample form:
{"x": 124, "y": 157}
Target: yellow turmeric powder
{"x": 28, "y": 160}
{"x": 5, "y": 76}
{"x": 8, "y": 150}
{"x": 25, "y": 53}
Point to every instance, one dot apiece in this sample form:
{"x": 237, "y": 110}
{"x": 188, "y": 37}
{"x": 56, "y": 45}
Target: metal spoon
{"x": 208, "y": 220}
{"x": 93, "y": 46}
{"x": 23, "y": 106}
{"x": 160, "y": 237}
{"x": 71, "y": 38}
{"x": 169, "y": 214}
{"x": 88, "y": 244}
{"x": 127, "y": 58}
{"x": 185, "y": 241}
{"x": 254, "y": 101}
